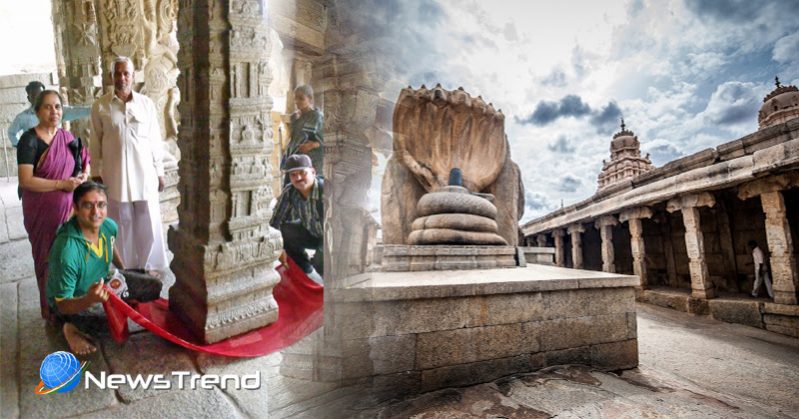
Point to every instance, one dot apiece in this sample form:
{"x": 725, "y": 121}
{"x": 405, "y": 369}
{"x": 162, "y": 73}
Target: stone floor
{"x": 690, "y": 366}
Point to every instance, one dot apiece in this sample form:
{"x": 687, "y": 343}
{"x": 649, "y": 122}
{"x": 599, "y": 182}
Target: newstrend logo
{"x": 60, "y": 371}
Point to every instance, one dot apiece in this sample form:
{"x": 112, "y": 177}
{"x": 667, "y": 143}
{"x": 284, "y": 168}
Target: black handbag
{"x": 76, "y": 147}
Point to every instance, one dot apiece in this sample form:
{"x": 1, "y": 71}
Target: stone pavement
{"x": 690, "y": 366}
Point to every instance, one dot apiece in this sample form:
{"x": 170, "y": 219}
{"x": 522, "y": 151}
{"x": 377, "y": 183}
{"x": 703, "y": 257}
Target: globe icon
{"x": 60, "y": 369}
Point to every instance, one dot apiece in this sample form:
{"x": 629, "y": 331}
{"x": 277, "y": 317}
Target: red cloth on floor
{"x": 300, "y": 312}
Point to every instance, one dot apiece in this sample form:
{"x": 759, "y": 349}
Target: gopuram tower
{"x": 625, "y": 159}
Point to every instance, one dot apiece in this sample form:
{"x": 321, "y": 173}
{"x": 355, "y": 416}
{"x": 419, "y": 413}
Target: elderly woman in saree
{"x": 52, "y": 163}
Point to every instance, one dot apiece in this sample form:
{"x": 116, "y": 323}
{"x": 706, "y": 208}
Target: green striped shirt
{"x": 291, "y": 207}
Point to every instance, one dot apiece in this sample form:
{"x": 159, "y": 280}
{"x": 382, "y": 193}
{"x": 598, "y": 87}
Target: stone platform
{"x": 414, "y": 332}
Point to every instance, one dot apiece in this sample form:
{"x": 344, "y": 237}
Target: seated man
{"x": 299, "y": 215}
{"x": 79, "y": 262}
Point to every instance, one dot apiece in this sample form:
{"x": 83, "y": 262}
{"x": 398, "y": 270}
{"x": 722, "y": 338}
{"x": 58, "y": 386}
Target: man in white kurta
{"x": 126, "y": 140}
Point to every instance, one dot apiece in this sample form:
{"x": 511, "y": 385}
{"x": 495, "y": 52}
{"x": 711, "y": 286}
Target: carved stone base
{"x": 227, "y": 296}
{"x": 231, "y": 317}
{"x": 400, "y": 258}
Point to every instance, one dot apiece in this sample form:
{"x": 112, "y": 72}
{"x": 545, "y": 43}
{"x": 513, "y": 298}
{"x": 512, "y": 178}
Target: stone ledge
{"x": 386, "y": 286}
{"x": 673, "y": 299}
{"x": 784, "y": 309}
{"x": 790, "y": 331}
{"x": 402, "y": 258}
{"x": 737, "y": 311}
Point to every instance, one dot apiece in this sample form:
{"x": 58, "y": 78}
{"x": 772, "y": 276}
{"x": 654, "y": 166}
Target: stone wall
{"x": 14, "y": 100}
{"x": 476, "y": 328}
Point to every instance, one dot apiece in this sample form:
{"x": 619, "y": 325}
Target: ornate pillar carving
{"x": 780, "y": 246}
{"x": 701, "y": 286}
{"x": 78, "y": 56}
{"x": 576, "y": 231}
{"x": 560, "y": 252}
{"x": 350, "y": 95}
{"x": 90, "y": 33}
{"x": 605, "y": 226}
{"x": 224, "y": 248}
{"x": 638, "y": 250}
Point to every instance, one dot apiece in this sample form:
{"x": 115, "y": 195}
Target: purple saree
{"x": 43, "y": 212}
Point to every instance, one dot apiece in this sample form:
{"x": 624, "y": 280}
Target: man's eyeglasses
{"x": 89, "y": 205}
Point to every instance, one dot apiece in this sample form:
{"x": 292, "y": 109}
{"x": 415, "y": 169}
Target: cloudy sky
{"x": 685, "y": 75}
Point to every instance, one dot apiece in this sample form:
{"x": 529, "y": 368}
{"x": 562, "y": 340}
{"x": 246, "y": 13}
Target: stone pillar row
{"x": 778, "y": 233}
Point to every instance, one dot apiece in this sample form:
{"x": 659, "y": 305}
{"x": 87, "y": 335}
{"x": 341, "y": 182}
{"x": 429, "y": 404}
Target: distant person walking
{"x": 761, "y": 270}
{"x": 126, "y": 142}
{"x": 28, "y": 119}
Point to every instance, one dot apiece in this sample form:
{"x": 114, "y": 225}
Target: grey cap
{"x": 297, "y": 162}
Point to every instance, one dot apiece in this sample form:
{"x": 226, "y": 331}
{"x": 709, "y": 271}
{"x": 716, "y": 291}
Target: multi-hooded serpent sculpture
{"x": 450, "y": 179}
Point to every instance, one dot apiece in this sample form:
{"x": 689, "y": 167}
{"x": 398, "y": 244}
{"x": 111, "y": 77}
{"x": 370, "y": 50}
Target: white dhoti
{"x": 140, "y": 238}
{"x": 761, "y": 278}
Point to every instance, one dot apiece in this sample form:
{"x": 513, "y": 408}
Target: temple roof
{"x": 779, "y": 106}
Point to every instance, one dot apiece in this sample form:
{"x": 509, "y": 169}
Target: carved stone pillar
{"x": 701, "y": 286}
{"x": 605, "y": 226}
{"x": 780, "y": 246}
{"x": 576, "y": 231}
{"x": 78, "y": 56}
{"x": 637, "y": 247}
{"x": 541, "y": 240}
{"x": 560, "y": 252}
{"x": 224, "y": 248}
{"x": 90, "y": 33}
{"x": 350, "y": 96}
{"x": 778, "y": 232}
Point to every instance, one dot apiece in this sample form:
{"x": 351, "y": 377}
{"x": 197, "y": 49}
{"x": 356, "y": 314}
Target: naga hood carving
{"x": 436, "y": 130}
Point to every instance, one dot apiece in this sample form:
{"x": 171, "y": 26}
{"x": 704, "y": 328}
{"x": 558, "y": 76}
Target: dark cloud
{"x": 606, "y": 120}
{"x": 546, "y": 112}
{"x": 569, "y": 184}
{"x": 561, "y": 146}
{"x": 735, "y": 11}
